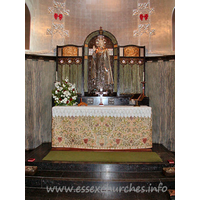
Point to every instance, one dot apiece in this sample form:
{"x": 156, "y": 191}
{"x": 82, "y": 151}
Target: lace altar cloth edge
{"x": 109, "y": 111}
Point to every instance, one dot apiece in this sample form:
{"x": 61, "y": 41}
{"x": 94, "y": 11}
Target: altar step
{"x": 39, "y": 194}
{"x": 40, "y": 152}
{"x": 58, "y": 184}
{"x": 116, "y": 175}
{"x": 43, "y": 179}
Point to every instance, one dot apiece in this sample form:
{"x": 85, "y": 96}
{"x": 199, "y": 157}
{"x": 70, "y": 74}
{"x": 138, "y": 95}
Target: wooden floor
{"x": 117, "y": 175}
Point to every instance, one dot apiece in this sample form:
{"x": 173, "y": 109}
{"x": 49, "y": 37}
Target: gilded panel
{"x": 131, "y": 52}
{"x": 70, "y": 51}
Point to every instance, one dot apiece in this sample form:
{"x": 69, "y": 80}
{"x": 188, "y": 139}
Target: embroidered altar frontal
{"x": 107, "y": 127}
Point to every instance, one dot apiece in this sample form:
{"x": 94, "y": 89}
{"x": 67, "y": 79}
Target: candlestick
{"x": 56, "y": 76}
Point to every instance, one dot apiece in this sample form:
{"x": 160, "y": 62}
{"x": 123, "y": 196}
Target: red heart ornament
{"x": 141, "y": 16}
{"x": 85, "y": 140}
{"x": 101, "y": 144}
{"x": 55, "y": 15}
{"x": 60, "y": 16}
{"x": 59, "y": 139}
{"x": 117, "y": 141}
{"x": 144, "y": 140}
{"x": 146, "y": 16}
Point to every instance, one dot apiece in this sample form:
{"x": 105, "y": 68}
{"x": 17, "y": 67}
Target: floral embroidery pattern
{"x": 91, "y": 132}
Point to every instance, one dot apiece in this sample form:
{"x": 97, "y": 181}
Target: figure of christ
{"x": 101, "y": 71}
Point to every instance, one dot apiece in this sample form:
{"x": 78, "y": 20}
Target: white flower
{"x": 57, "y": 84}
{"x": 66, "y": 93}
{"x": 65, "y": 90}
{"x": 73, "y": 86}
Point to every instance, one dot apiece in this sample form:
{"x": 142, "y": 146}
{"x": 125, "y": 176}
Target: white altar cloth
{"x": 109, "y": 111}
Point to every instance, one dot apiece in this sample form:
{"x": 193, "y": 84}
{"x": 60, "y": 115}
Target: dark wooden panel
{"x": 40, "y": 57}
{"x": 158, "y": 58}
{"x": 148, "y": 58}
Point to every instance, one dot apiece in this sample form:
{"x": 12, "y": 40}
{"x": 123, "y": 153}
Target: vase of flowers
{"x": 65, "y": 93}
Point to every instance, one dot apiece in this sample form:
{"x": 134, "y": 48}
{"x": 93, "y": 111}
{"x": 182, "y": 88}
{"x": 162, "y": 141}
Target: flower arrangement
{"x": 65, "y": 93}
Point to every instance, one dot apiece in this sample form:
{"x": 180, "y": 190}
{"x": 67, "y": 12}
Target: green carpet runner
{"x": 104, "y": 157}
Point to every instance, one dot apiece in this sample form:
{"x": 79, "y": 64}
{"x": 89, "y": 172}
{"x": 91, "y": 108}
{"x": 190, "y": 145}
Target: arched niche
{"x": 112, "y": 44}
{"x": 27, "y": 27}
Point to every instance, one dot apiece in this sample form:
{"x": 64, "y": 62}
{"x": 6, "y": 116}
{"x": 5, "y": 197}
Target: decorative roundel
{"x": 69, "y": 61}
{"x": 77, "y": 61}
{"x": 123, "y": 61}
{"x": 140, "y": 62}
{"x": 61, "y": 61}
{"x": 131, "y": 61}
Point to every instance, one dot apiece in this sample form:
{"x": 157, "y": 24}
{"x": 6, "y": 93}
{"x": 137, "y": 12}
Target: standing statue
{"x": 101, "y": 71}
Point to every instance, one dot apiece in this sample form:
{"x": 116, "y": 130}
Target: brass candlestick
{"x": 136, "y": 103}
{"x": 141, "y": 97}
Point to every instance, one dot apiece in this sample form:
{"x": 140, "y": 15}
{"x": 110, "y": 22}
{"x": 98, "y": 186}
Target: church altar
{"x": 102, "y": 127}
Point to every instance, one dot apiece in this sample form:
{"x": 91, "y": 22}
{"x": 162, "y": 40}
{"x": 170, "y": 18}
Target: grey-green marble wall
{"x": 160, "y": 88}
{"x": 130, "y": 78}
{"x": 74, "y": 74}
{"x": 39, "y": 82}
